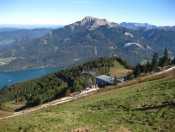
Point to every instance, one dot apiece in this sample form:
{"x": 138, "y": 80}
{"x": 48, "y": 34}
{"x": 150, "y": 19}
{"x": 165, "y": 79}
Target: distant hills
{"x": 16, "y": 34}
{"x": 145, "y": 26}
{"x": 9, "y": 36}
{"x": 88, "y": 39}
{"x": 137, "y": 25}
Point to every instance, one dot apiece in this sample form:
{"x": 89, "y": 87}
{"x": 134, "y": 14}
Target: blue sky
{"x": 61, "y": 12}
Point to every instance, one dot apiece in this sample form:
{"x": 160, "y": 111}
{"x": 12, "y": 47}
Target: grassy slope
{"x": 142, "y": 107}
{"x": 13, "y": 105}
{"x": 118, "y": 70}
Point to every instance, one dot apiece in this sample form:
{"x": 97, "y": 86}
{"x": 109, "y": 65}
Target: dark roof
{"x": 88, "y": 73}
{"x": 106, "y": 78}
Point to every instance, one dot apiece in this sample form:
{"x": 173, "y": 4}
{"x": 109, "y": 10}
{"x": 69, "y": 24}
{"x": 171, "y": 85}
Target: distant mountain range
{"x": 15, "y": 33}
{"x": 9, "y": 36}
{"x": 88, "y": 39}
{"x": 145, "y": 25}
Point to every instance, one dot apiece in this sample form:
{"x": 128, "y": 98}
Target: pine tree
{"x": 143, "y": 68}
{"x": 115, "y": 81}
{"x": 93, "y": 80}
{"x": 76, "y": 86}
{"x": 88, "y": 82}
{"x": 173, "y": 61}
{"x": 160, "y": 61}
{"x": 137, "y": 71}
{"x": 68, "y": 92}
{"x": 165, "y": 58}
{"x": 148, "y": 67}
{"x": 154, "y": 64}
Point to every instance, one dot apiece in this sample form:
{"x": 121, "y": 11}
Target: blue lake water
{"x": 8, "y": 78}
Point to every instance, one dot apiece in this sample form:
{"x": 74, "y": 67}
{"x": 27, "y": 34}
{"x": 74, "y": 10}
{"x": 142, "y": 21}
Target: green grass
{"x": 13, "y": 105}
{"x": 118, "y": 66}
{"x": 118, "y": 70}
{"x": 143, "y": 107}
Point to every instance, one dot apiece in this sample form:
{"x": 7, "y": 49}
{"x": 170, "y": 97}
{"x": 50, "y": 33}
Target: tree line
{"x": 56, "y": 85}
{"x": 154, "y": 65}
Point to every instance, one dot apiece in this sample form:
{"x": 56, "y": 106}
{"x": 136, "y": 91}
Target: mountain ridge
{"x": 135, "y": 25}
{"x": 88, "y": 39}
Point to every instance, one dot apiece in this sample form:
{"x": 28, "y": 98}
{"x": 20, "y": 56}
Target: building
{"x": 104, "y": 80}
{"x": 120, "y": 80}
{"x": 88, "y": 73}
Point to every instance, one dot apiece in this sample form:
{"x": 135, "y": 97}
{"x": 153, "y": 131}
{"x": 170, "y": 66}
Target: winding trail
{"x": 54, "y": 103}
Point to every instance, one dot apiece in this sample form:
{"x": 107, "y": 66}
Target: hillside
{"x": 88, "y": 39}
{"x": 61, "y": 83}
{"x": 145, "y": 26}
{"x": 12, "y": 36}
{"x": 141, "y": 107}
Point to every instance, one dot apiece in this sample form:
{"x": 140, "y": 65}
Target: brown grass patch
{"x": 120, "y": 73}
{"x": 4, "y": 113}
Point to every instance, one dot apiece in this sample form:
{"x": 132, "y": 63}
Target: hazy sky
{"x": 61, "y": 12}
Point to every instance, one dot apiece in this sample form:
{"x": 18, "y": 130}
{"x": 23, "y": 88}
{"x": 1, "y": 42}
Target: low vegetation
{"x": 141, "y": 107}
{"x": 119, "y": 70}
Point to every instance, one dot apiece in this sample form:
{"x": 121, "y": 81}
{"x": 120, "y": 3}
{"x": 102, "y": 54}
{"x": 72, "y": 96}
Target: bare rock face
{"x": 91, "y": 23}
{"x": 95, "y": 22}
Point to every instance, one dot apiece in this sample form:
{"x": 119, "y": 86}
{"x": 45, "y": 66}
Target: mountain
{"x": 15, "y": 34}
{"x": 8, "y": 29}
{"x": 9, "y": 36}
{"x": 145, "y": 26}
{"x": 168, "y": 28}
{"x": 88, "y": 39}
{"x": 91, "y": 23}
{"x": 137, "y": 25}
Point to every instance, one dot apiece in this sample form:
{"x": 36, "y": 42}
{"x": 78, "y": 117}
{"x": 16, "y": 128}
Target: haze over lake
{"x": 8, "y": 78}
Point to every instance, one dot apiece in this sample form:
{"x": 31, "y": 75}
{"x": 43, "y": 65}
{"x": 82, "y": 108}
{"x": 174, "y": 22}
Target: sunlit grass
{"x": 142, "y": 107}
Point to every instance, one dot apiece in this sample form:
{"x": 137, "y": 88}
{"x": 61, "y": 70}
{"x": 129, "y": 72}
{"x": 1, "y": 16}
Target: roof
{"x": 120, "y": 79}
{"x": 88, "y": 73}
{"x": 106, "y": 78}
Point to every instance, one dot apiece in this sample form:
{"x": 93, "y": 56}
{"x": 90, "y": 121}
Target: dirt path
{"x": 53, "y": 103}
{"x": 159, "y": 73}
{"x": 68, "y": 99}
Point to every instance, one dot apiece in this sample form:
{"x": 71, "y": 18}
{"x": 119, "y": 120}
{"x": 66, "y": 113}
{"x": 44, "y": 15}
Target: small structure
{"x": 88, "y": 73}
{"x": 120, "y": 80}
{"x": 104, "y": 80}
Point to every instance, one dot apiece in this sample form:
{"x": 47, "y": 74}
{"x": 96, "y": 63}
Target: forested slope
{"x": 56, "y": 84}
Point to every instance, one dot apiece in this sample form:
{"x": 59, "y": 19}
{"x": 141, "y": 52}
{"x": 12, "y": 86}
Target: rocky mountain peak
{"x": 92, "y": 23}
{"x": 89, "y": 18}
{"x": 96, "y": 22}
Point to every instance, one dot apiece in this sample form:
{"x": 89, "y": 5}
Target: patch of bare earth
{"x": 4, "y": 113}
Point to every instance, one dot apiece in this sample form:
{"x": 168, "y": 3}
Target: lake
{"x": 8, "y": 78}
